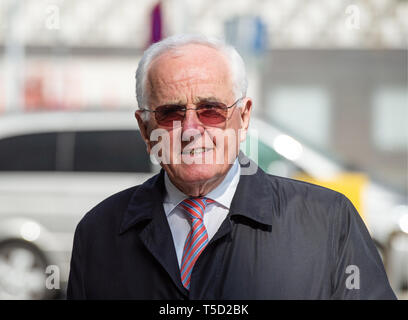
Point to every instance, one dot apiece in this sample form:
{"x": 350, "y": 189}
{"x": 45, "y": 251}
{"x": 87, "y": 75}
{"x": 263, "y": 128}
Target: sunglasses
{"x": 209, "y": 113}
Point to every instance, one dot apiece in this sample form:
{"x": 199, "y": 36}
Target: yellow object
{"x": 349, "y": 183}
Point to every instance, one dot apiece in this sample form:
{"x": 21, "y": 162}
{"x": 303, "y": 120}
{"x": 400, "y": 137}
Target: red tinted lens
{"x": 212, "y": 113}
{"x": 165, "y": 115}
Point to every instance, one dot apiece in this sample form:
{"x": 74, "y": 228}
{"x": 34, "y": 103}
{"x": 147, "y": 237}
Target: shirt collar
{"x": 222, "y": 194}
{"x": 146, "y": 202}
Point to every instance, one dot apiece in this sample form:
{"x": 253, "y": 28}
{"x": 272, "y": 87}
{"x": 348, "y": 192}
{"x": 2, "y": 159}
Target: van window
{"x": 31, "y": 152}
{"x": 110, "y": 151}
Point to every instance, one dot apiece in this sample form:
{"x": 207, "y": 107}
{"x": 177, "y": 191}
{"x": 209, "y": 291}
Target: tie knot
{"x": 195, "y": 207}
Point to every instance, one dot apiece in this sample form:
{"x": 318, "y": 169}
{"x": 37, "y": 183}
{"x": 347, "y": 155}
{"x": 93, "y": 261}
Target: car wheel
{"x": 22, "y": 271}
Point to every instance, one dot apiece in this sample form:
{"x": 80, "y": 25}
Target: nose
{"x": 191, "y": 121}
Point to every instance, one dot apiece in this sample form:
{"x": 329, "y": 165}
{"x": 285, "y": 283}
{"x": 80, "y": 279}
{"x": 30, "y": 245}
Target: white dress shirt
{"x": 214, "y": 215}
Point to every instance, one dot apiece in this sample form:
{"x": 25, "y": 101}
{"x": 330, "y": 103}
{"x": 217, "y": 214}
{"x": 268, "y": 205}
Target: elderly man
{"x": 203, "y": 228}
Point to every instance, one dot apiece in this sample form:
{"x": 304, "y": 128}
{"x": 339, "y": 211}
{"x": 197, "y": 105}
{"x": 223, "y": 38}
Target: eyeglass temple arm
{"x": 143, "y": 109}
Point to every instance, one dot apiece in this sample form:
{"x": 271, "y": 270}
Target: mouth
{"x": 195, "y": 151}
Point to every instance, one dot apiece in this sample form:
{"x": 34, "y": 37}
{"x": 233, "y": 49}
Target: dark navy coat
{"x": 282, "y": 239}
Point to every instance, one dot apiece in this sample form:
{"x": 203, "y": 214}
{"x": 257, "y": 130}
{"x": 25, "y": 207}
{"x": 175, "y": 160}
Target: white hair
{"x": 236, "y": 64}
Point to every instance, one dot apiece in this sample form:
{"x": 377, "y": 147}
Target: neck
{"x": 199, "y": 189}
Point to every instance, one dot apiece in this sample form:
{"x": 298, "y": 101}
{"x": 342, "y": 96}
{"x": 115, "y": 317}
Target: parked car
{"x": 54, "y": 167}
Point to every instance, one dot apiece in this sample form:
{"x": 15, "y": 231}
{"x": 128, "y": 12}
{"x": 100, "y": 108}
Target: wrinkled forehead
{"x": 190, "y": 65}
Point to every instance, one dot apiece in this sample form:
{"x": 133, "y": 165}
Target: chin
{"x": 197, "y": 172}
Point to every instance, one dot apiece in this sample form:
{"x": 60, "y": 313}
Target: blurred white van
{"x": 54, "y": 167}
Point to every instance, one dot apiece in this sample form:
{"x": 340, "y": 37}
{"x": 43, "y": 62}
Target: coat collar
{"x": 254, "y": 197}
{"x": 143, "y": 202}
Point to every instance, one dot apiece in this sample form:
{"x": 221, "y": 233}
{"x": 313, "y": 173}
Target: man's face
{"x": 193, "y": 74}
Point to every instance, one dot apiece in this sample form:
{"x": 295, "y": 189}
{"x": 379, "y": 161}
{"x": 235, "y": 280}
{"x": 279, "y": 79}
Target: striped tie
{"x": 197, "y": 238}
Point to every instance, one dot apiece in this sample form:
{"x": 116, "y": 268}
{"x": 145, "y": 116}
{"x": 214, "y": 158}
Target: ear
{"x": 245, "y": 117}
{"x": 143, "y": 126}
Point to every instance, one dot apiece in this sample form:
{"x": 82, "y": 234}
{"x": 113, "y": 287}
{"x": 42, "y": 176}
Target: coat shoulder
{"x": 305, "y": 192}
{"x": 108, "y": 211}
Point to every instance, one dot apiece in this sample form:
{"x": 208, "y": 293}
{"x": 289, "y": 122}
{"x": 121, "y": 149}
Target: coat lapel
{"x": 147, "y": 204}
{"x": 253, "y": 200}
